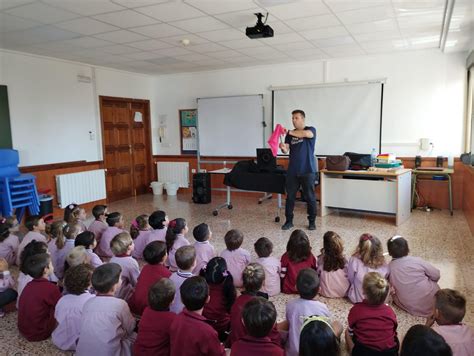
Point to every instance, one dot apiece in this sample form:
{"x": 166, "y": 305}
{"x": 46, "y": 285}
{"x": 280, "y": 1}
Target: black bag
{"x": 337, "y": 163}
{"x": 359, "y": 161}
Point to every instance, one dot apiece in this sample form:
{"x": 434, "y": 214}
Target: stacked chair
{"x": 17, "y": 191}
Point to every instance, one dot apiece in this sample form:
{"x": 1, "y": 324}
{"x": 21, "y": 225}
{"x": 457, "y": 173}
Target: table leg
{"x": 227, "y": 204}
{"x": 450, "y": 194}
{"x": 413, "y": 190}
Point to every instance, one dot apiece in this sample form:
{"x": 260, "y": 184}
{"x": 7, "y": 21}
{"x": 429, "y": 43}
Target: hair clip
{"x": 134, "y": 223}
{"x": 172, "y": 224}
{"x": 3, "y": 221}
{"x": 396, "y": 237}
{"x": 225, "y": 273}
{"x": 366, "y": 237}
{"x": 310, "y": 319}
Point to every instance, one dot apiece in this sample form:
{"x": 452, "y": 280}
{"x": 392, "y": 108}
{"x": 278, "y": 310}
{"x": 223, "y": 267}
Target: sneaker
{"x": 287, "y": 226}
{"x": 312, "y": 225}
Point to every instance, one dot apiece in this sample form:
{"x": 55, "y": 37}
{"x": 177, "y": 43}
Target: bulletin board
{"x": 188, "y": 131}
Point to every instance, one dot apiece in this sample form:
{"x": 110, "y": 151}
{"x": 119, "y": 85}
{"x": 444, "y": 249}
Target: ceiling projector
{"x": 260, "y": 30}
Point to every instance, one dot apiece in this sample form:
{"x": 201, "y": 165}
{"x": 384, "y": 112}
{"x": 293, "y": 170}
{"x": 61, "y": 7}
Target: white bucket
{"x": 171, "y": 188}
{"x": 157, "y": 188}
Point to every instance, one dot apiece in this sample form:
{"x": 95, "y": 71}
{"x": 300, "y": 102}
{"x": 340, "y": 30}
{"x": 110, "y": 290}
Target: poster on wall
{"x": 188, "y": 130}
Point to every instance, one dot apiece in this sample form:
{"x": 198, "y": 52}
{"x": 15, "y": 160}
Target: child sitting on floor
{"x": 7, "y": 293}
{"x": 259, "y": 316}
{"x": 36, "y": 226}
{"x": 271, "y": 265}
{"x": 222, "y": 293}
{"x": 204, "y": 250}
{"x": 155, "y": 257}
{"x": 115, "y": 222}
{"x": 68, "y": 313}
{"x": 64, "y": 246}
{"x": 319, "y": 336}
{"x": 368, "y": 257}
{"x": 88, "y": 241}
{"x": 372, "y": 323}
{"x": 307, "y": 284}
{"x": 332, "y": 267}
{"x": 175, "y": 238}
{"x": 122, "y": 248}
{"x": 414, "y": 281}
{"x": 154, "y": 330}
{"x": 8, "y": 242}
{"x": 186, "y": 261}
{"x": 449, "y": 311}
{"x": 107, "y": 326}
{"x": 298, "y": 256}
{"x": 38, "y": 300}
{"x": 99, "y": 225}
{"x": 139, "y": 231}
{"x": 236, "y": 257}
{"x": 200, "y": 339}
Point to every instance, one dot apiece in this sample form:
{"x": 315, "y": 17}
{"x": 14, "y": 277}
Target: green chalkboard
{"x": 5, "y": 127}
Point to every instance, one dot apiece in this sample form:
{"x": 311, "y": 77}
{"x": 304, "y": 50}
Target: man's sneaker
{"x": 312, "y": 225}
{"x": 287, "y": 226}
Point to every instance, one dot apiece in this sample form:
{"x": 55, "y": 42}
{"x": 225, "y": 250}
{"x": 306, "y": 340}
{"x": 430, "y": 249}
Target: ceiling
{"x": 145, "y": 35}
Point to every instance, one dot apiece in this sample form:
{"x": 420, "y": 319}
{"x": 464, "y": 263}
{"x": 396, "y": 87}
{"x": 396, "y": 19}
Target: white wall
{"x": 424, "y": 95}
{"x": 52, "y": 113}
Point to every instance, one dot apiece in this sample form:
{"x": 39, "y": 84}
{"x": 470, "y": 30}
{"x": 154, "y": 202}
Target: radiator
{"x": 80, "y": 188}
{"x": 174, "y": 172}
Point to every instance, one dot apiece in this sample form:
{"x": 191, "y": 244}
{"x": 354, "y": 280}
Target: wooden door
{"x": 126, "y": 146}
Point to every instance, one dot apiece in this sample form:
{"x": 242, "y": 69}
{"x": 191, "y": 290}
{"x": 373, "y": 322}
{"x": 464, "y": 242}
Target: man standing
{"x": 302, "y": 168}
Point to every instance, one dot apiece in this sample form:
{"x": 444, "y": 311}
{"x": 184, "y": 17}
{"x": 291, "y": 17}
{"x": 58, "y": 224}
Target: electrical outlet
{"x": 193, "y": 170}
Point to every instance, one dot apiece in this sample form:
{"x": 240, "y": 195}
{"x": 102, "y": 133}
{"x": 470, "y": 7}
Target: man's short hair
{"x": 301, "y": 112}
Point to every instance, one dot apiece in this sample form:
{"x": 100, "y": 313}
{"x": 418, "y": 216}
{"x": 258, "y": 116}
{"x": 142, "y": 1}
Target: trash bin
{"x": 157, "y": 188}
{"x": 46, "y": 204}
{"x": 171, "y": 188}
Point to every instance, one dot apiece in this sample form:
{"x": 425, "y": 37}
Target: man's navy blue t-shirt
{"x": 302, "y": 159}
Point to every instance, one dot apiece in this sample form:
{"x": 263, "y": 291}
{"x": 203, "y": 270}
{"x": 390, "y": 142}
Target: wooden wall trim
{"x": 62, "y": 165}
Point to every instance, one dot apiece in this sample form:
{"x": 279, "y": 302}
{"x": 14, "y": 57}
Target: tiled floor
{"x": 443, "y": 240}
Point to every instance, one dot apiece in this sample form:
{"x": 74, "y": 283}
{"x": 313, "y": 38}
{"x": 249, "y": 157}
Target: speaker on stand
{"x": 202, "y": 188}
{"x": 266, "y": 162}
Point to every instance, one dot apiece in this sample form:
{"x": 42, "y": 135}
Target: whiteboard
{"x": 347, "y": 118}
{"x": 230, "y": 126}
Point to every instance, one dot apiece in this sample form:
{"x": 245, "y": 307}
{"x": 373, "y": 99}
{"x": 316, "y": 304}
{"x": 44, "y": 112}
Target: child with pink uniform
{"x": 235, "y": 256}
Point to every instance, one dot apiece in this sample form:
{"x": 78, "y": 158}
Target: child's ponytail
{"x": 174, "y": 228}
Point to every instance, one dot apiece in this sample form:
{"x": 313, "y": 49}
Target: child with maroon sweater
{"x": 372, "y": 323}
{"x": 222, "y": 293}
{"x": 253, "y": 277}
{"x": 298, "y": 256}
{"x": 191, "y": 335}
{"x": 259, "y": 317}
{"x": 154, "y": 328}
{"x": 38, "y": 300}
{"x": 155, "y": 255}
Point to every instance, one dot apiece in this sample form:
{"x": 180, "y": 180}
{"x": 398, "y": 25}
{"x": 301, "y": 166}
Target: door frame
{"x": 148, "y": 135}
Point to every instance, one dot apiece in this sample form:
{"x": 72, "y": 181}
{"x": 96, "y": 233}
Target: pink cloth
{"x": 414, "y": 282}
{"x": 9, "y": 249}
{"x": 272, "y": 267}
{"x": 334, "y": 284}
{"x": 68, "y": 314}
{"x": 356, "y": 270}
{"x": 274, "y": 139}
{"x": 178, "y": 279}
{"x": 103, "y": 249}
{"x": 296, "y": 310}
{"x": 180, "y": 241}
{"x": 140, "y": 243}
{"x": 106, "y": 328}
{"x": 7, "y": 282}
{"x": 30, "y": 236}
{"x": 130, "y": 273}
{"x": 204, "y": 252}
{"x": 459, "y": 337}
{"x": 236, "y": 260}
{"x": 98, "y": 227}
{"x": 95, "y": 260}
{"x": 58, "y": 257}
{"x": 156, "y": 235}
